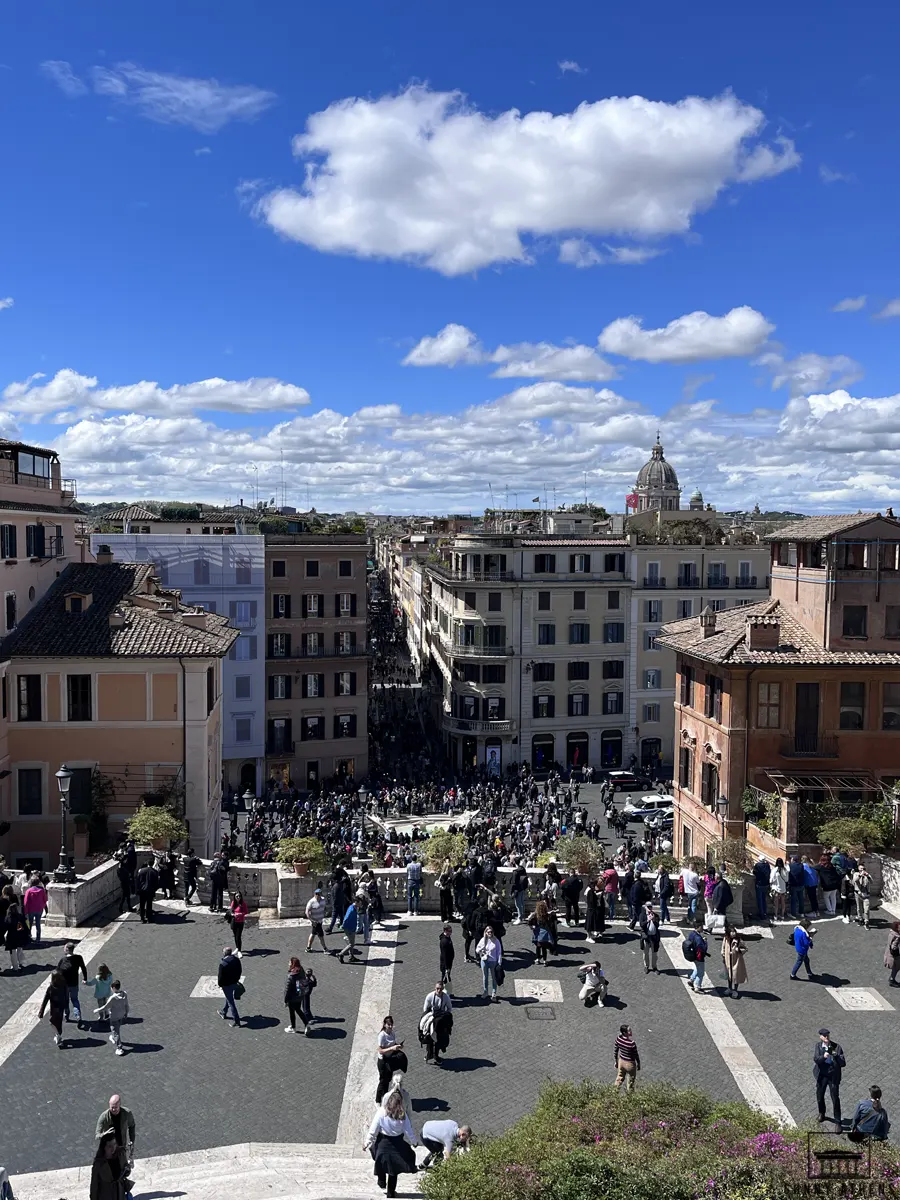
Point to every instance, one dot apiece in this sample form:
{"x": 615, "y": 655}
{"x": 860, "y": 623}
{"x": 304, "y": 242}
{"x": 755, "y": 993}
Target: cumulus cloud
{"x": 61, "y": 73}
{"x": 6, "y": 302}
{"x": 849, "y": 304}
{"x": 456, "y": 345}
{"x": 579, "y": 252}
{"x": 202, "y": 104}
{"x": 811, "y": 372}
{"x": 891, "y": 309}
{"x": 691, "y": 338}
{"x": 426, "y": 178}
{"x": 70, "y": 394}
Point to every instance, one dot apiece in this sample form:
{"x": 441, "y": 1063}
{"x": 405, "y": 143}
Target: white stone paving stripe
{"x": 374, "y": 1005}
{"x": 756, "y": 1086}
{"x": 14, "y": 1032}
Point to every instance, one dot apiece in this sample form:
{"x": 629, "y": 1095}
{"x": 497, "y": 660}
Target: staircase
{"x": 251, "y": 1171}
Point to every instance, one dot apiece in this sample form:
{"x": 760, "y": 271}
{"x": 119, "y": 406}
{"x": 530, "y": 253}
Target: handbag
{"x": 239, "y": 990}
{"x": 500, "y": 976}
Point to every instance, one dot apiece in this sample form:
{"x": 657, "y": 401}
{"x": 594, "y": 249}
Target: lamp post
{"x": 722, "y": 805}
{"x": 249, "y": 800}
{"x": 363, "y": 793}
{"x": 64, "y": 873}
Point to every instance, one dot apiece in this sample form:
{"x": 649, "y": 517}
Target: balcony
{"x": 746, "y": 581}
{"x": 480, "y": 651}
{"x": 658, "y": 581}
{"x": 688, "y": 581}
{"x": 809, "y": 745}
{"x": 717, "y": 581}
{"x": 470, "y": 576}
{"x": 323, "y": 652}
{"x": 461, "y": 725}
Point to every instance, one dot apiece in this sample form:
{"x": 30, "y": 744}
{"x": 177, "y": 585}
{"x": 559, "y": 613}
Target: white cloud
{"x": 811, "y": 372}
{"x": 569, "y": 64}
{"x": 202, "y": 104}
{"x": 203, "y": 150}
{"x": 456, "y": 345}
{"x": 61, "y": 73}
{"x": 579, "y": 252}
{"x": 424, "y": 177}
{"x": 891, "y": 309}
{"x": 69, "y": 394}
{"x": 6, "y": 302}
{"x": 691, "y": 338}
{"x": 827, "y": 175}
{"x": 849, "y": 304}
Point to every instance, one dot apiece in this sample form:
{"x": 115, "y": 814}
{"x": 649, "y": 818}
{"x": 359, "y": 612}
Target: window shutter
{"x": 321, "y": 606}
{"x": 353, "y": 605}
{"x": 287, "y": 646}
{"x": 571, "y": 564}
{"x": 252, "y": 641}
{"x": 287, "y": 687}
{"x": 270, "y": 646}
{"x": 303, "y": 605}
{"x": 288, "y": 743}
{"x": 535, "y": 712}
{"x": 337, "y": 727}
{"x": 232, "y": 610}
{"x": 321, "y": 685}
{"x": 271, "y": 687}
{"x": 337, "y": 604}
{"x": 337, "y": 683}
{"x": 304, "y": 689}
{"x": 287, "y": 605}
{"x": 571, "y": 705}
{"x": 353, "y": 725}
{"x": 352, "y": 683}
{"x": 585, "y": 705}
{"x": 353, "y": 639}
{"x": 552, "y": 708}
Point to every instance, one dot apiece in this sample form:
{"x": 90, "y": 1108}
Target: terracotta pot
{"x": 301, "y": 868}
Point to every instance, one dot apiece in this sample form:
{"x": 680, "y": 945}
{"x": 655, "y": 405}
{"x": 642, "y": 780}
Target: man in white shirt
{"x": 315, "y": 914}
{"x": 691, "y": 883}
{"x": 441, "y": 1138}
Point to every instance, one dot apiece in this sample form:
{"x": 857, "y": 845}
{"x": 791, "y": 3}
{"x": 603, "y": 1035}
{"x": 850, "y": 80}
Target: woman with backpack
{"x": 695, "y": 949}
{"x": 297, "y": 993}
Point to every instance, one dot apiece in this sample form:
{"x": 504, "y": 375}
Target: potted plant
{"x": 303, "y": 854}
{"x": 156, "y": 827}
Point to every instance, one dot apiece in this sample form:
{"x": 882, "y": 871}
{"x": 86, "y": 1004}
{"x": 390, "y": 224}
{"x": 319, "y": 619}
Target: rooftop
{"x": 811, "y": 529}
{"x": 133, "y": 512}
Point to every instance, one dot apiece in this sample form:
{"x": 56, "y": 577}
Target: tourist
{"x": 115, "y": 1010}
{"x": 16, "y": 937}
{"x": 340, "y": 883}
{"x": 436, "y": 1024}
{"x": 447, "y": 955}
{"x": 353, "y": 926}
{"x": 571, "y": 891}
{"x": 830, "y": 880}
{"x": 315, "y": 914}
{"x": 627, "y": 1059}
{"x": 796, "y": 885}
{"x": 662, "y": 887}
{"x": 119, "y": 1120}
{"x": 848, "y": 896}
{"x": 733, "y": 952}
{"x": 811, "y": 884}
{"x": 56, "y": 996}
{"x": 108, "y": 1171}
{"x": 297, "y": 995}
{"x": 442, "y": 1138}
{"x": 696, "y": 950}
{"x": 594, "y": 922}
{"x": 862, "y": 887}
{"x": 801, "y": 939}
{"x": 828, "y": 1063}
{"x": 34, "y": 906}
{"x": 218, "y": 880}
{"x": 762, "y": 877}
{"x": 413, "y": 886}
{"x": 489, "y": 953}
{"x": 125, "y": 876}
{"x": 229, "y": 977}
{"x": 390, "y": 1057}
{"x": 165, "y": 864}
{"x": 445, "y": 890}
{"x": 611, "y": 889}
{"x": 519, "y": 889}
{"x": 780, "y": 889}
{"x": 869, "y": 1121}
{"x": 237, "y": 912}
{"x": 638, "y": 896}
{"x": 650, "y": 938}
{"x": 892, "y": 953}
{"x": 102, "y": 985}
{"x": 190, "y": 870}
{"x": 146, "y": 882}
{"x": 542, "y": 931}
{"x": 69, "y": 965}
{"x": 594, "y": 985}
{"x": 690, "y": 886}
{"x": 390, "y": 1140}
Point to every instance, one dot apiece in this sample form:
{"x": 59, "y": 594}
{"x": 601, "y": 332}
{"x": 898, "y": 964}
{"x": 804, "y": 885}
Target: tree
{"x": 443, "y": 845}
{"x": 151, "y": 824}
{"x": 852, "y": 833}
{"x": 305, "y": 849}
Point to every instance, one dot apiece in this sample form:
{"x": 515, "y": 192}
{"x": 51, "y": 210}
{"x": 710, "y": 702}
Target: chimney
{"x": 117, "y": 618}
{"x": 763, "y": 633}
{"x": 708, "y": 622}
{"x": 104, "y": 555}
{"x": 196, "y": 619}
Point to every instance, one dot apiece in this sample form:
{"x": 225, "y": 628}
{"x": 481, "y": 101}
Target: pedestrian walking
{"x": 519, "y": 889}
{"x": 627, "y": 1059}
{"x": 126, "y": 877}
{"x": 801, "y": 939}
{"x": 34, "y": 906}
{"x": 130, "y": 851}
{"x": 413, "y": 886}
{"x": 637, "y": 898}
{"x": 118, "y": 1121}
{"x": 218, "y": 881}
{"x": 690, "y": 886}
{"x": 762, "y": 877}
{"x": 229, "y": 977}
{"x": 733, "y": 956}
{"x": 339, "y": 896}
{"x": 70, "y": 965}
{"x": 828, "y": 1063}
{"x": 436, "y": 1024}
{"x": 298, "y": 995}
{"x": 892, "y": 953}
{"x": 165, "y": 865}
{"x": 352, "y": 925}
{"x": 16, "y": 937}
{"x": 115, "y": 1010}
{"x": 695, "y": 949}
{"x": 102, "y": 985}
{"x": 237, "y": 912}
{"x": 489, "y": 953}
{"x": 862, "y": 887}
{"x": 190, "y": 870}
{"x": 570, "y": 889}
{"x": 146, "y": 882}
{"x": 442, "y": 1139}
{"x": 780, "y": 889}
{"x": 447, "y": 954}
{"x": 594, "y": 985}
{"x": 108, "y": 1172}
{"x": 390, "y": 1057}
{"x": 56, "y": 997}
{"x": 390, "y": 1140}
{"x": 811, "y": 884}
{"x": 650, "y": 938}
{"x": 315, "y": 914}
{"x": 869, "y": 1121}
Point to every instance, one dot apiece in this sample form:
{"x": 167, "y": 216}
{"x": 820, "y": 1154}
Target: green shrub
{"x": 852, "y": 833}
{"x": 442, "y": 845}
{"x": 153, "y": 824}
{"x": 667, "y": 862}
{"x": 575, "y": 852}
{"x": 306, "y": 849}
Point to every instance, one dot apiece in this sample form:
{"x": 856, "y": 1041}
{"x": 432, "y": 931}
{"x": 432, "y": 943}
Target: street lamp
{"x": 64, "y": 873}
{"x": 363, "y": 793}
{"x": 722, "y": 805}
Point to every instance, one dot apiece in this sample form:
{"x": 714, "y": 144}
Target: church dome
{"x": 657, "y": 473}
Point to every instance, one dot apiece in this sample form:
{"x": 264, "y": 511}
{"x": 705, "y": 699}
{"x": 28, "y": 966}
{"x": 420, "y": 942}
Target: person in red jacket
{"x": 238, "y": 913}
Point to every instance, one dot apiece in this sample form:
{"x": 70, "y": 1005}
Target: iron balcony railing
{"x": 470, "y": 576}
{"x": 658, "y": 581}
{"x": 809, "y": 745}
{"x": 462, "y": 725}
{"x": 717, "y": 581}
{"x": 481, "y": 651}
{"x": 688, "y": 581}
{"x": 359, "y": 651}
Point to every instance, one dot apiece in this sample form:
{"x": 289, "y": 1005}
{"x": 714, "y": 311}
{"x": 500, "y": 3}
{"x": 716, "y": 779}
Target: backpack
{"x": 689, "y": 950}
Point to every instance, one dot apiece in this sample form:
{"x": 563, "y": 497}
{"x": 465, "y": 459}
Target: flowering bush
{"x": 583, "y": 1141}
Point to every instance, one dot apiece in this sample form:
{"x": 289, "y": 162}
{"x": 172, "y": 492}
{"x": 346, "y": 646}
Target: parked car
{"x": 653, "y": 805}
{"x": 626, "y": 781}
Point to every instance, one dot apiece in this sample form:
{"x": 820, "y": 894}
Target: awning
{"x": 828, "y": 781}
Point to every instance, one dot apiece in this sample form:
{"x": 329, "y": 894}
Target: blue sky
{"x": 158, "y": 230}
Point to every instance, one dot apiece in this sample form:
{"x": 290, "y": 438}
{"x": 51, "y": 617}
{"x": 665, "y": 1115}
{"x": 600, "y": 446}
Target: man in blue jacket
{"x": 352, "y": 925}
{"x": 802, "y": 938}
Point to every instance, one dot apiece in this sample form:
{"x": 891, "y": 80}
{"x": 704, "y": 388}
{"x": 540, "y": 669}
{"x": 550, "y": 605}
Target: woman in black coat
{"x": 16, "y": 936}
{"x": 108, "y": 1172}
{"x": 595, "y": 911}
{"x": 57, "y": 996}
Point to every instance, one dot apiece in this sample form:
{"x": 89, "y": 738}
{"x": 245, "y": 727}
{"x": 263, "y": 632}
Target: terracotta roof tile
{"x": 810, "y": 529}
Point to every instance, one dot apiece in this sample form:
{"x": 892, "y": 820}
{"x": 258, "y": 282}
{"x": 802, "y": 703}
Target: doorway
{"x": 469, "y": 753}
{"x": 806, "y": 718}
{"x": 248, "y": 778}
{"x": 542, "y": 747}
{"x": 576, "y": 751}
{"x": 312, "y": 776}
{"x": 651, "y": 753}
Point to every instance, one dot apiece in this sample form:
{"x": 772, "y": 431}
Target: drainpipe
{"x": 184, "y": 734}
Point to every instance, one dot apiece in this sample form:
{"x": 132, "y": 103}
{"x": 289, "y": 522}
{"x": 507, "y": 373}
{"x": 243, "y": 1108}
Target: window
{"x": 579, "y": 633}
{"x": 243, "y": 729}
{"x": 578, "y": 600}
{"x": 29, "y": 697}
{"x": 312, "y": 568}
{"x": 345, "y": 568}
{"x": 33, "y": 464}
{"x": 468, "y": 707}
{"x": 465, "y": 635}
{"x": 544, "y": 706}
{"x": 312, "y": 605}
{"x": 650, "y": 636}
{"x": 651, "y": 713}
{"x": 312, "y": 729}
{"x": 80, "y": 791}
{"x": 546, "y": 635}
{"x": 345, "y": 683}
{"x": 244, "y": 649}
{"x": 242, "y": 614}
{"x": 687, "y": 574}
{"x": 345, "y": 725}
{"x": 743, "y": 576}
{"x": 579, "y": 670}
{"x": 613, "y": 702}
{"x": 578, "y": 704}
{"x": 686, "y": 768}
{"x": 243, "y": 687}
{"x": 279, "y": 687}
{"x": 768, "y": 705}
{"x": 345, "y": 605}
{"x": 495, "y": 636}
{"x": 717, "y": 605}
{"x": 345, "y": 642}
{"x": 495, "y": 708}
{"x": 853, "y": 706}
{"x": 495, "y": 601}
{"x": 34, "y": 541}
{"x": 892, "y": 620}
{"x": 652, "y": 679}
{"x": 242, "y": 578}
{"x": 684, "y": 608}
{"x": 470, "y": 600}
{"x": 579, "y": 563}
{"x": 614, "y": 563}
{"x": 471, "y": 673}
{"x": 280, "y": 644}
{"x": 543, "y": 601}
{"x": 278, "y": 740}
{"x": 652, "y": 611}
{"x": 614, "y": 668}
{"x": 279, "y": 568}
{"x": 31, "y": 790}
{"x": 11, "y": 610}
{"x": 855, "y": 620}
{"x": 545, "y": 564}
{"x": 544, "y": 672}
{"x": 651, "y": 579}
{"x": 313, "y": 686}
{"x": 687, "y": 686}
{"x": 78, "y": 696}
{"x": 709, "y": 784}
{"x": 201, "y": 572}
{"x": 714, "y": 690}
{"x": 7, "y": 541}
{"x": 890, "y": 706}
{"x": 614, "y": 600}
{"x": 613, "y": 631}
{"x": 494, "y": 673}
{"x": 717, "y": 576}
{"x": 281, "y": 606}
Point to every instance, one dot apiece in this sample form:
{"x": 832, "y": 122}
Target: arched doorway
{"x": 576, "y": 751}
{"x": 248, "y": 778}
{"x": 651, "y": 753}
{"x": 542, "y": 747}
{"x": 611, "y": 748}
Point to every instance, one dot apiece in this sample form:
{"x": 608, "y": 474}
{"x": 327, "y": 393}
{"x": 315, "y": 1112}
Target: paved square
{"x": 207, "y": 988}
{"x": 547, "y": 991}
{"x": 860, "y": 999}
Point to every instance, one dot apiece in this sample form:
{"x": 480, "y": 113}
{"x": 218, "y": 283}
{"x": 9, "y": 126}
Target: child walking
{"x": 102, "y": 985}
{"x": 115, "y": 1009}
